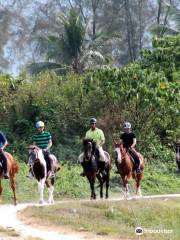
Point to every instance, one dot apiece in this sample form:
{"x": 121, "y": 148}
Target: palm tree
{"x": 68, "y": 49}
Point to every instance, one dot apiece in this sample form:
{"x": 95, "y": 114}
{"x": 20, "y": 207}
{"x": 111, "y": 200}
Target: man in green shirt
{"x": 42, "y": 139}
{"x": 97, "y": 136}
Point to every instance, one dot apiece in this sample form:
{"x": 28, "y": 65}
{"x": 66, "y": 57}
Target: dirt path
{"x": 8, "y": 220}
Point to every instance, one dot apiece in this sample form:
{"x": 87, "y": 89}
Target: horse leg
{"x": 92, "y": 183}
{"x": 107, "y": 186}
{"x": 41, "y": 190}
{"x": 0, "y": 192}
{"x": 138, "y": 188}
{"x": 13, "y": 186}
{"x": 100, "y": 184}
{"x": 50, "y": 191}
{"x": 125, "y": 184}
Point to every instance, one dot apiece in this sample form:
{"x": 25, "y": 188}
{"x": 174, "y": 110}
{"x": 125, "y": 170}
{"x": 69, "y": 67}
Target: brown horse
{"x": 12, "y": 170}
{"x": 94, "y": 169}
{"x": 126, "y": 167}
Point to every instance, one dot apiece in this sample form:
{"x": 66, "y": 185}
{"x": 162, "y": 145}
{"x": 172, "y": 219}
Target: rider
{"x": 42, "y": 139}
{"x": 3, "y": 159}
{"x": 97, "y": 136}
{"x": 129, "y": 142}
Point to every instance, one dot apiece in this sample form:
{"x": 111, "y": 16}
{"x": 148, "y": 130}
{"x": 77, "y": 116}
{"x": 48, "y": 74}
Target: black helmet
{"x": 92, "y": 120}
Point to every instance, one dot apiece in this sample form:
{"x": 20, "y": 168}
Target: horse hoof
{"x": 50, "y": 201}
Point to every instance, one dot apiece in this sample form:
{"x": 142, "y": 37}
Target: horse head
{"x": 118, "y": 151}
{"x": 34, "y": 154}
{"x": 89, "y": 147}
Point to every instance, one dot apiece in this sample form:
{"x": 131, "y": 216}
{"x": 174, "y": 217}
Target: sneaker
{"x": 103, "y": 172}
{"x": 6, "y": 176}
{"x": 51, "y": 174}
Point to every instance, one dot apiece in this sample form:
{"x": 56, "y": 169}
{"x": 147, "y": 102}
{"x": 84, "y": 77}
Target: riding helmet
{"x": 93, "y": 120}
{"x": 126, "y": 125}
{"x": 39, "y": 124}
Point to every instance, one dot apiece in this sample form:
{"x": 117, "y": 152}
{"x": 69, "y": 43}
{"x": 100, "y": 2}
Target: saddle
{"x": 51, "y": 163}
{"x": 134, "y": 158}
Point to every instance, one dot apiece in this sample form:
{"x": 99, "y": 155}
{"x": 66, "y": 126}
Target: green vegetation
{"x": 115, "y": 219}
{"x": 145, "y": 92}
{"x": 69, "y": 185}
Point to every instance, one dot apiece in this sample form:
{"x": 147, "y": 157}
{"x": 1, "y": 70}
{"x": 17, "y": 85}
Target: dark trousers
{"x": 135, "y": 156}
{"x": 48, "y": 160}
{"x": 3, "y": 160}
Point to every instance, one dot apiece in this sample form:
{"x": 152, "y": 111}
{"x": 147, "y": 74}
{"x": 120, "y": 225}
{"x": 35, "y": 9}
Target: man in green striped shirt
{"x": 43, "y": 140}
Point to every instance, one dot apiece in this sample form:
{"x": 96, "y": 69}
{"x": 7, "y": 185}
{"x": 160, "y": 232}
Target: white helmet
{"x": 126, "y": 125}
{"x": 39, "y": 124}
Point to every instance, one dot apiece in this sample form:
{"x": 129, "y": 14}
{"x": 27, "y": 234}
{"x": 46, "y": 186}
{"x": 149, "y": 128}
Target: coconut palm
{"x": 68, "y": 49}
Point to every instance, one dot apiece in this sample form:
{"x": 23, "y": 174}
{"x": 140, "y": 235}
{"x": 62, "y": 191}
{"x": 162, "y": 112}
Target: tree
{"x": 68, "y": 49}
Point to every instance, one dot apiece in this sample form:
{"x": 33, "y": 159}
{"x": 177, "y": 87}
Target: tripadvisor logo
{"x": 139, "y": 231}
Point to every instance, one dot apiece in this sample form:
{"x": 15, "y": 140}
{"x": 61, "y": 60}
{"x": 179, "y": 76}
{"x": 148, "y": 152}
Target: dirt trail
{"x": 8, "y": 220}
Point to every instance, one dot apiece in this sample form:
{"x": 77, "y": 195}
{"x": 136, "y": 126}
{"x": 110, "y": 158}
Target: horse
{"x": 40, "y": 172}
{"x": 12, "y": 168}
{"x": 126, "y": 167}
{"x": 93, "y": 168}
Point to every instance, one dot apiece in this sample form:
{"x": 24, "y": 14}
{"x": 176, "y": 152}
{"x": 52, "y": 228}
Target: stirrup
{"x": 82, "y": 174}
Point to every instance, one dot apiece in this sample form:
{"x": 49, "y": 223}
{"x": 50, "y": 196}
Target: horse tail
{"x": 15, "y": 167}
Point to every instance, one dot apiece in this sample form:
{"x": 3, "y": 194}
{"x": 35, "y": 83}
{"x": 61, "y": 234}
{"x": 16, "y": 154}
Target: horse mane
{"x": 86, "y": 141}
{"x": 33, "y": 147}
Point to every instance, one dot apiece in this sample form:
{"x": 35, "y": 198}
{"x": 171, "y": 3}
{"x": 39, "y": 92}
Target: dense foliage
{"x": 145, "y": 92}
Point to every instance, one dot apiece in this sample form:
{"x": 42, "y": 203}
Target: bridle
{"x": 88, "y": 151}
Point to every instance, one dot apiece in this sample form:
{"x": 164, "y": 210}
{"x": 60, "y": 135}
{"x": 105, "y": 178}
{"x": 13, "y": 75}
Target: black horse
{"x": 93, "y": 167}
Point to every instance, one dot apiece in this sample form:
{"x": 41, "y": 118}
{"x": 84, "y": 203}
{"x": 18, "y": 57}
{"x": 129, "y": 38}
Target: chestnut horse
{"x": 126, "y": 167}
{"x": 39, "y": 167}
{"x": 93, "y": 168}
{"x": 12, "y": 170}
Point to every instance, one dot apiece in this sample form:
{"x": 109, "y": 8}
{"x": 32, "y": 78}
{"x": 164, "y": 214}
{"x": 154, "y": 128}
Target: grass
{"x": 12, "y": 234}
{"x": 114, "y": 219}
{"x": 157, "y": 180}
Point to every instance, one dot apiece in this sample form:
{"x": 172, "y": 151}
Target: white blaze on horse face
{"x": 119, "y": 158}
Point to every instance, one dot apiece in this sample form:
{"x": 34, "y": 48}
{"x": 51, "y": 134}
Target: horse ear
{"x": 114, "y": 142}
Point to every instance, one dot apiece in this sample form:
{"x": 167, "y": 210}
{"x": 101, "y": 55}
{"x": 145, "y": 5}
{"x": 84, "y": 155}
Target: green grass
{"x": 115, "y": 219}
{"x": 157, "y": 179}
{"x": 12, "y": 234}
